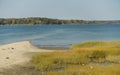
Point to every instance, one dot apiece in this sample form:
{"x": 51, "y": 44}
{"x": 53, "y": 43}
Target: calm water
{"x": 59, "y": 35}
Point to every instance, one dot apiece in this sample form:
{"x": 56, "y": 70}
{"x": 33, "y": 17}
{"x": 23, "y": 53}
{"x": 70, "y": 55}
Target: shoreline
{"x": 20, "y": 52}
{"x": 53, "y": 47}
{"x": 48, "y": 47}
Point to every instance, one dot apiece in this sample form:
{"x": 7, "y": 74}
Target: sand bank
{"x": 14, "y": 53}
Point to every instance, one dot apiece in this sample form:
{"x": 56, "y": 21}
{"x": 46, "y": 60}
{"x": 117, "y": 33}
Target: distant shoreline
{"x": 52, "y": 24}
{"x": 51, "y": 21}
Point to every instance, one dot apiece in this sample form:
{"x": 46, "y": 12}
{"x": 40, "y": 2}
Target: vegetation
{"x": 96, "y": 69}
{"x": 88, "y": 58}
{"x": 81, "y": 54}
{"x": 37, "y": 20}
{"x": 58, "y": 60}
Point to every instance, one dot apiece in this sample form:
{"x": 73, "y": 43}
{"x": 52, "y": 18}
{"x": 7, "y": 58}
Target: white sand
{"x": 14, "y": 54}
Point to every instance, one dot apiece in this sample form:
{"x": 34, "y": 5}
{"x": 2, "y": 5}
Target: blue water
{"x": 59, "y": 35}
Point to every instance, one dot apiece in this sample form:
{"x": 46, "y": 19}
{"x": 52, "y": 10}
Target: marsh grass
{"x": 89, "y": 44}
{"x": 57, "y": 61}
{"x": 81, "y": 54}
{"x": 77, "y": 61}
{"x": 95, "y": 69}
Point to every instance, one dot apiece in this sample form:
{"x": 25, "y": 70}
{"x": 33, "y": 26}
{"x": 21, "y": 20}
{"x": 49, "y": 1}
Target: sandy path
{"x": 13, "y": 54}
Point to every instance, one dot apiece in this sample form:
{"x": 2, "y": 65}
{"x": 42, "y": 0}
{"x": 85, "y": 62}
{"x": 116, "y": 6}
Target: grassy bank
{"x": 88, "y": 58}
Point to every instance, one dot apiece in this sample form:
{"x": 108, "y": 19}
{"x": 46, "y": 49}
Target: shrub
{"x": 98, "y": 56}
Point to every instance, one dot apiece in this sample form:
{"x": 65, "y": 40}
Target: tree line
{"x": 37, "y": 20}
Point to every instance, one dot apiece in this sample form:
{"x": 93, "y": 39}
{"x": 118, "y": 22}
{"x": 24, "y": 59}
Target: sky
{"x": 61, "y": 9}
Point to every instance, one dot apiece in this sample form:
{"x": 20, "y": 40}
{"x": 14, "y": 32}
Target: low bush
{"x": 98, "y": 56}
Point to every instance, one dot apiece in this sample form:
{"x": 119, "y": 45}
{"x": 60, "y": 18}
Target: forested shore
{"x": 38, "y": 20}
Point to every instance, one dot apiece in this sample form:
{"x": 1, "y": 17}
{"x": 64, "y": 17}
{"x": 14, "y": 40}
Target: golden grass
{"x": 80, "y": 54}
{"x": 113, "y": 69}
{"x": 71, "y": 62}
{"x": 76, "y": 61}
{"x": 111, "y": 47}
{"x": 90, "y": 69}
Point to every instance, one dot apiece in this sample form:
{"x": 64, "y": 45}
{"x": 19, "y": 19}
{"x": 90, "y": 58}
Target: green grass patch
{"x": 90, "y": 44}
{"x": 52, "y": 60}
{"x": 81, "y": 54}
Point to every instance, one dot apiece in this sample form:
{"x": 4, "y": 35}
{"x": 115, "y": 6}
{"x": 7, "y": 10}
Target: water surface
{"x": 59, "y": 35}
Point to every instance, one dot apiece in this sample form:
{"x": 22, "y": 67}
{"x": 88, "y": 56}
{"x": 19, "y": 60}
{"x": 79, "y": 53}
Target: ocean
{"x": 59, "y": 35}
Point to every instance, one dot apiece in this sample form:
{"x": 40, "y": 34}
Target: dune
{"x": 14, "y": 53}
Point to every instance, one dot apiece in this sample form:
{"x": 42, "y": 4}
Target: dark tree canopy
{"x": 38, "y": 20}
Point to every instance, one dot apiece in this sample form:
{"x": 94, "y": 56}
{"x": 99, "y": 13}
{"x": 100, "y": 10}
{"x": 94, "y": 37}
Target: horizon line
{"x": 61, "y": 18}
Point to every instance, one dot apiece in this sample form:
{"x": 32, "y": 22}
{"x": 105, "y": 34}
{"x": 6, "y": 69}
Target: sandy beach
{"x": 15, "y": 53}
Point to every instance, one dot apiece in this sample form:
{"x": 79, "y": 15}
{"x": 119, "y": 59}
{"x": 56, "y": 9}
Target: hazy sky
{"x": 61, "y": 9}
